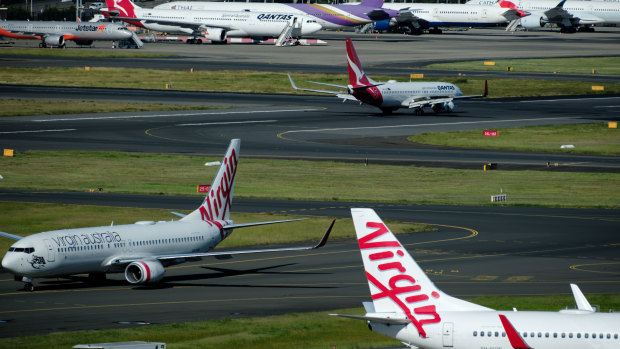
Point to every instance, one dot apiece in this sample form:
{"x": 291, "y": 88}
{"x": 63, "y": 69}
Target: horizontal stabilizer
{"x": 384, "y": 318}
{"x": 178, "y": 214}
{"x": 254, "y": 224}
{"x": 580, "y": 299}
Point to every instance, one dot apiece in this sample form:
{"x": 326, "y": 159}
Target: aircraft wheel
{"x": 29, "y": 287}
{"x": 418, "y": 112}
{"x": 386, "y": 111}
{"x": 41, "y": 45}
{"x": 189, "y": 41}
{"x": 198, "y": 42}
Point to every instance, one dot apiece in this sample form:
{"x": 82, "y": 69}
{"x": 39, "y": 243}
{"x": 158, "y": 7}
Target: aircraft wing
{"x": 407, "y": 15}
{"x": 184, "y": 24}
{"x": 18, "y": 34}
{"x": 321, "y": 243}
{"x": 313, "y": 90}
{"x": 514, "y": 14}
{"x": 11, "y": 236}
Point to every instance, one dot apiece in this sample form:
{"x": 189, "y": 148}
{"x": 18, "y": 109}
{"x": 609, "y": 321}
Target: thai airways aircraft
{"x": 407, "y": 306}
{"x": 328, "y": 16}
{"x": 570, "y": 16}
{"x": 417, "y": 17}
{"x": 212, "y": 25}
{"x": 56, "y": 33}
{"x": 390, "y": 96}
{"x": 141, "y": 250}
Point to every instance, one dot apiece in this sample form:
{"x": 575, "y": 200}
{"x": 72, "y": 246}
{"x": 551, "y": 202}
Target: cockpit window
{"x": 27, "y": 250}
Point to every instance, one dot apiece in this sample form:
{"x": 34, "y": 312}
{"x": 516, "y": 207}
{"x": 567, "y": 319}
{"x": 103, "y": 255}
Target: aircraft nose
{"x": 8, "y": 263}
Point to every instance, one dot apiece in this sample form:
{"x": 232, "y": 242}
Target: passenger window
{"x": 481, "y": 333}
{"x": 475, "y": 333}
{"x": 563, "y": 335}
{"x": 539, "y": 334}
{"x": 496, "y": 334}
{"x": 570, "y": 335}
{"x": 524, "y": 334}
{"x": 585, "y": 335}
{"x": 578, "y": 335}
{"x": 546, "y": 334}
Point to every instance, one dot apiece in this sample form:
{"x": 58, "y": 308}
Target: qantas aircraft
{"x": 212, "y": 25}
{"x": 141, "y": 250}
{"x": 417, "y": 17}
{"x": 55, "y": 33}
{"x": 407, "y": 306}
{"x": 335, "y": 16}
{"x": 570, "y": 16}
{"x": 392, "y": 95}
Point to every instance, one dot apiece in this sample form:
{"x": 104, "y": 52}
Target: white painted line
{"x": 436, "y": 124}
{"x": 174, "y": 115}
{"x": 568, "y": 99}
{"x": 229, "y": 123}
{"x": 40, "y": 131}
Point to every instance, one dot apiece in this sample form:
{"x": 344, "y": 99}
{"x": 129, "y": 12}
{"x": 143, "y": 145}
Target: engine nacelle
{"x": 55, "y": 40}
{"x": 382, "y": 25}
{"x": 144, "y": 272}
{"x": 444, "y": 107}
{"x": 215, "y": 34}
{"x": 533, "y": 22}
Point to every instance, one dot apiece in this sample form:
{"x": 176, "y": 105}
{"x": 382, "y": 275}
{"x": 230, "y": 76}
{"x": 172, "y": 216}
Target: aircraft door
{"x": 51, "y": 256}
{"x": 448, "y": 328}
{"x": 435, "y": 12}
{"x": 484, "y": 13}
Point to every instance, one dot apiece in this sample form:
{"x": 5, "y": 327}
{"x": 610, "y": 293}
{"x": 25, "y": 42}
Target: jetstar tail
{"x": 397, "y": 283}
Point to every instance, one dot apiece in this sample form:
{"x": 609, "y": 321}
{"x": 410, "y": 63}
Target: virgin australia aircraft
{"x": 328, "y": 16}
{"x": 141, "y": 250}
{"x": 392, "y": 95}
{"x": 212, "y": 25}
{"x": 407, "y": 306}
{"x": 56, "y": 33}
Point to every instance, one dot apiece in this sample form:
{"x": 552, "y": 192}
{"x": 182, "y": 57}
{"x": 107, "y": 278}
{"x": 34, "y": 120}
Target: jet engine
{"x": 144, "y": 272}
{"x": 216, "y": 35}
{"x": 55, "y": 40}
{"x": 443, "y": 107}
{"x": 533, "y": 22}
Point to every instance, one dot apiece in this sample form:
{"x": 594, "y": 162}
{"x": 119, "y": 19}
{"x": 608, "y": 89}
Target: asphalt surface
{"x": 475, "y": 251}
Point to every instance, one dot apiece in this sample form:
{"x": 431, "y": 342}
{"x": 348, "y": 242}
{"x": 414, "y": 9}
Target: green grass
{"x": 581, "y": 65}
{"x": 594, "y": 138}
{"x": 297, "y": 330}
{"x": 267, "y": 82}
{"x": 306, "y": 180}
{"x": 83, "y": 53}
{"x": 29, "y": 218}
{"x": 21, "y": 107}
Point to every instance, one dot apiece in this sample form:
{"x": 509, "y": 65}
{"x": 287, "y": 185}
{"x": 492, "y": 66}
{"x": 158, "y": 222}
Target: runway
{"x": 476, "y": 251}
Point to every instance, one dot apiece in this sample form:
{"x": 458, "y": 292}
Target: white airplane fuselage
{"x": 56, "y": 32}
{"x": 483, "y": 329}
{"x": 94, "y": 249}
{"x": 398, "y": 94}
{"x": 446, "y": 15}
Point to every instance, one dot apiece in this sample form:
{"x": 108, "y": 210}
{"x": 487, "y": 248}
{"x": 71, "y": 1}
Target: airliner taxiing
{"x": 212, "y": 25}
{"x": 407, "y": 306}
{"x": 141, "y": 250}
{"x": 56, "y": 33}
{"x": 391, "y": 95}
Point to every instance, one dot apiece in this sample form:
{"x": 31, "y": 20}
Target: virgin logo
{"x": 401, "y": 287}
{"x": 218, "y": 200}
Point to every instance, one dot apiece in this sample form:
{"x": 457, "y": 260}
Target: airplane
{"x": 141, "y": 250}
{"x": 337, "y": 16}
{"x": 570, "y": 16}
{"x": 391, "y": 95}
{"x": 56, "y": 33}
{"x": 407, "y": 306}
{"x": 212, "y": 25}
{"x": 417, "y": 17}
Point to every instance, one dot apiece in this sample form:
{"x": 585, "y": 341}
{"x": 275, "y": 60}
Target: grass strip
{"x": 268, "y": 82}
{"x": 593, "y": 138}
{"x": 22, "y": 107}
{"x": 580, "y": 65}
{"x": 306, "y": 180}
{"x": 29, "y": 218}
{"x": 297, "y": 330}
{"x": 81, "y": 53}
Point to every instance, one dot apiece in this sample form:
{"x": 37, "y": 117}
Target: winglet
{"x": 513, "y": 336}
{"x": 325, "y": 236}
{"x": 580, "y": 299}
{"x": 292, "y": 82}
{"x": 486, "y": 88}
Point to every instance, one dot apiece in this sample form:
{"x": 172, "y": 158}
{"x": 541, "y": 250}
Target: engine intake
{"x": 144, "y": 272}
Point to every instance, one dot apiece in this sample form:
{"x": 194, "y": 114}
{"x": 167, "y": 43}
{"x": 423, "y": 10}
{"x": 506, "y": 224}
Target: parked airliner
{"x": 570, "y": 15}
{"x": 390, "y": 96}
{"x": 417, "y": 17}
{"x": 55, "y": 33}
{"x": 212, "y": 25}
{"x": 141, "y": 250}
{"x": 407, "y": 306}
{"x": 335, "y": 16}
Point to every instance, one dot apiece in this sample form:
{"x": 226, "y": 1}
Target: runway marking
{"x": 39, "y": 131}
{"x": 578, "y": 267}
{"x": 181, "y": 114}
{"x": 568, "y": 99}
{"x": 281, "y": 135}
{"x": 229, "y": 123}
